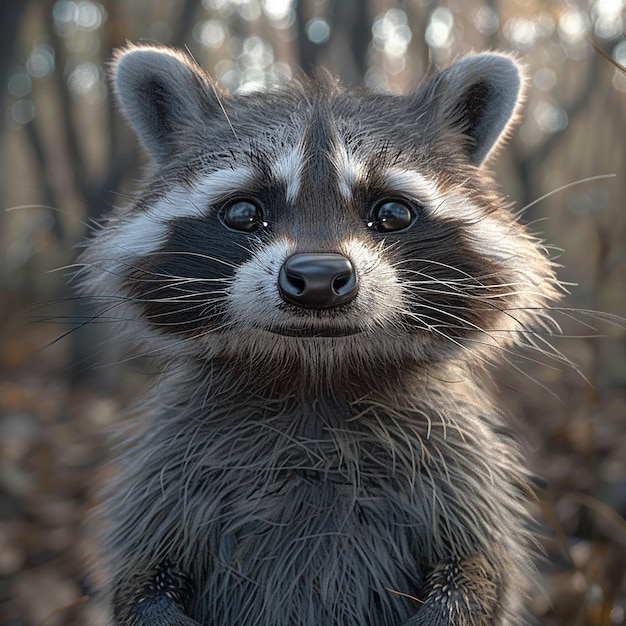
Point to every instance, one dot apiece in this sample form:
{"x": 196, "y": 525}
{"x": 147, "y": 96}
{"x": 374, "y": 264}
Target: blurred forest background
{"x": 66, "y": 157}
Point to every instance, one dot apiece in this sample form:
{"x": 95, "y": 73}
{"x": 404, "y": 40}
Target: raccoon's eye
{"x": 243, "y": 215}
{"x": 391, "y": 215}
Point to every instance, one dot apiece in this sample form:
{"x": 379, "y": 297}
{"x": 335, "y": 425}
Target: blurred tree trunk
{"x": 11, "y": 13}
{"x": 528, "y": 163}
{"x": 96, "y": 186}
{"x": 308, "y": 52}
{"x": 350, "y": 24}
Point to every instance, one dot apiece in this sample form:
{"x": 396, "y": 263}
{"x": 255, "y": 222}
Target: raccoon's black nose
{"x": 317, "y": 280}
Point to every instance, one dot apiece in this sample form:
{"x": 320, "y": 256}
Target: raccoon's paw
{"x": 160, "y": 611}
{"x": 461, "y": 593}
{"x": 164, "y": 600}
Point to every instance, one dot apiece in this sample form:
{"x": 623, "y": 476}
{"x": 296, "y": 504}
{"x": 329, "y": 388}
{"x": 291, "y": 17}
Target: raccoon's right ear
{"x": 478, "y": 99}
{"x": 162, "y": 93}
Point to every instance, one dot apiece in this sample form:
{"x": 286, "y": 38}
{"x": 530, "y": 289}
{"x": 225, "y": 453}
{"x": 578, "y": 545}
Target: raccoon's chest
{"x": 315, "y": 549}
{"x": 298, "y": 513}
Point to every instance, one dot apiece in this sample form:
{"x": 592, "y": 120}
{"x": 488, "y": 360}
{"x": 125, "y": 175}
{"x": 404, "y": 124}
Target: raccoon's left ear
{"x": 479, "y": 96}
{"x": 164, "y": 95}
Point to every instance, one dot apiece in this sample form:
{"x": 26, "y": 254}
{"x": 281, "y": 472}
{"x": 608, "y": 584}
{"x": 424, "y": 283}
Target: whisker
{"x": 574, "y": 183}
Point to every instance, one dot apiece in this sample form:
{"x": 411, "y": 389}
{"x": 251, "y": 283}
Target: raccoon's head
{"x": 316, "y": 224}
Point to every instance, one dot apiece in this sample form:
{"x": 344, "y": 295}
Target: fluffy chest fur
{"x": 287, "y": 512}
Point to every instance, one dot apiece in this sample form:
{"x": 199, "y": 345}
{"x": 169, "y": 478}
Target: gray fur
{"x": 338, "y": 468}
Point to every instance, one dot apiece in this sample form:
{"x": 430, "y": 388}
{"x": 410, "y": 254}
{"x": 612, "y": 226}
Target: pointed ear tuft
{"x": 481, "y": 96}
{"x": 161, "y": 92}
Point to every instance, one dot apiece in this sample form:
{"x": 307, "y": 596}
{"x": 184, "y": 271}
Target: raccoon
{"x": 325, "y": 278}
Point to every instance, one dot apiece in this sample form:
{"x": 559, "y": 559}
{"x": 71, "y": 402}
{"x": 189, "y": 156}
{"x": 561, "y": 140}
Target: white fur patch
{"x": 143, "y": 232}
{"x": 288, "y": 170}
{"x": 214, "y": 186}
{"x": 486, "y": 233}
{"x": 350, "y": 171}
{"x": 414, "y": 184}
{"x": 254, "y": 297}
{"x": 380, "y": 294}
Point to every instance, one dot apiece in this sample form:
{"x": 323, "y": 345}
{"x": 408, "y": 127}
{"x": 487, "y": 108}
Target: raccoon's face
{"x": 317, "y": 223}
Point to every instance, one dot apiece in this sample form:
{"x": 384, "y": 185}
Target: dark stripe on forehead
{"x": 318, "y": 179}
